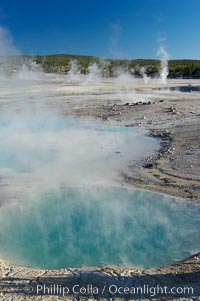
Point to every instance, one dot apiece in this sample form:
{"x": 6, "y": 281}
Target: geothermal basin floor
{"x": 170, "y": 115}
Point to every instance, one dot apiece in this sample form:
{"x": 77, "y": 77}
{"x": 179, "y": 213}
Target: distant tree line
{"x": 110, "y": 67}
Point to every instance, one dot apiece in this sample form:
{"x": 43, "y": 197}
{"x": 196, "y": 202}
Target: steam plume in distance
{"x": 164, "y": 70}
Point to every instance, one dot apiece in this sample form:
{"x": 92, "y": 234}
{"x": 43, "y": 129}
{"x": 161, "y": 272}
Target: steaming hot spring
{"x": 62, "y": 201}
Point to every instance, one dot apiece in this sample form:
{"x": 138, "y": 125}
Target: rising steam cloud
{"x": 37, "y": 141}
{"x": 144, "y": 75}
{"x": 7, "y": 47}
{"x": 164, "y": 71}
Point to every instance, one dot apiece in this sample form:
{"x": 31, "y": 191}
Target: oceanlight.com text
{"x": 112, "y": 290}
